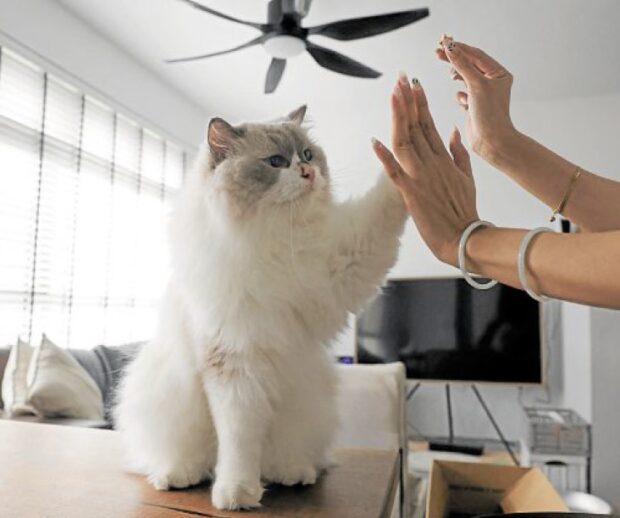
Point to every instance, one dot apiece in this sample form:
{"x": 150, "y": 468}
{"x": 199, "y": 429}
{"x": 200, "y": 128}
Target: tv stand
{"x": 451, "y": 445}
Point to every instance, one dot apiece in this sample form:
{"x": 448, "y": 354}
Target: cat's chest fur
{"x": 272, "y": 286}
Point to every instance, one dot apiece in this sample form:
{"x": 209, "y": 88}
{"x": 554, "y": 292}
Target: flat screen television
{"x": 445, "y": 330}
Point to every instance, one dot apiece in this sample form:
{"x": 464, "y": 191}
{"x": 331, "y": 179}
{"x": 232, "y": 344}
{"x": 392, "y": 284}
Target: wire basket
{"x": 558, "y": 430}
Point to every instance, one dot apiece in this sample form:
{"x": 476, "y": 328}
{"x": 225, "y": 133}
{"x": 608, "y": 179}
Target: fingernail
{"x": 375, "y": 142}
{"x": 402, "y": 77}
{"x": 415, "y": 82}
{"x": 451, "y": 46}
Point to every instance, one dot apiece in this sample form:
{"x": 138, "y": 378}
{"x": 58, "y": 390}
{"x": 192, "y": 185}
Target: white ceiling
{"x": 556, "y": 49}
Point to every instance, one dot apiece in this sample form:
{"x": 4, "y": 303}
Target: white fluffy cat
{"x": 237, "y": 383}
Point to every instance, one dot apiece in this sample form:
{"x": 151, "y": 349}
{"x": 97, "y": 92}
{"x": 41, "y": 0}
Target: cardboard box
{"x": 459, "y": 489}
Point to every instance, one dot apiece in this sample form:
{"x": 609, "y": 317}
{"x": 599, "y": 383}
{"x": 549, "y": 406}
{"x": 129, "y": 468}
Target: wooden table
{"x": 65, "y": 472}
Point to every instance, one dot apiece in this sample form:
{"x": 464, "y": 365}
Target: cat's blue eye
{"x": 278, "y": 161}
{"x": 307, "y": 155}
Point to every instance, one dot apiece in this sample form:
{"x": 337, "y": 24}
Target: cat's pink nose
{"x": 307, "y": 172}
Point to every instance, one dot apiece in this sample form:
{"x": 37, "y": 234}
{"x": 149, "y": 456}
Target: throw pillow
{"x": 58, "y": 386}
{"x": 14, "y": 385}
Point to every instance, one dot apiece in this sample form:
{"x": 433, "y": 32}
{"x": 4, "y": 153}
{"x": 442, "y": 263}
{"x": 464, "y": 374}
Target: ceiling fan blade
{"x": 338, "y": 62}
{"x": 274, "y": 74}
{"x": 197, "y": 5}
{"x": 356, "y": 28}
{"x": 250, "y": 43}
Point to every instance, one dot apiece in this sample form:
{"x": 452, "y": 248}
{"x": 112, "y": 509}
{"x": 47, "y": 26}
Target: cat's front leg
{"x": 241, "y": 413}
{"x": 299, "y": 439}
{"x": 366, "y": 236}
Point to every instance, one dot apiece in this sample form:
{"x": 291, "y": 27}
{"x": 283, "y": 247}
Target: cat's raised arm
{"x": 366, "y": 234}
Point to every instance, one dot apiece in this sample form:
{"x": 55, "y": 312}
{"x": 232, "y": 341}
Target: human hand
{"x": 438, "y": 188}
{"x": 487, "y": 98}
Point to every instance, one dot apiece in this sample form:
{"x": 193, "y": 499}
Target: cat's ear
{"x": 297, "y": 116}
{"x": 221, "y": 137}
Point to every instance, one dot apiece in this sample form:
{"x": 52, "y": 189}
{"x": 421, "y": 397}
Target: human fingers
{"x": 455, "y": 75}
{"x": 441, "y": 54}
{"x": 390, "y": 164}
{"x": 417, "y": 135}
{"x": 460, "y": 153}
{"x": 463, "y": 99}
{"x": 401, "y": 139}
{"x": 463, "y": 64}
{"x": 426, "y": 119}
{"x": 483, "y": 62}
{"x": 406, "y": 94}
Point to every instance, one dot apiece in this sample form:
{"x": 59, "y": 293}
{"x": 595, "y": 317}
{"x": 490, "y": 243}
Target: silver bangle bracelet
{"x": 523, "y": 248}
{"x": 461, "y": 256}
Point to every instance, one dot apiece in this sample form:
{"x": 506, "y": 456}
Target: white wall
{"x": 53, "y": 33}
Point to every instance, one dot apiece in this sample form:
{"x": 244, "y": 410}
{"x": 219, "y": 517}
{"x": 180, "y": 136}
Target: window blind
{"x": 84, "y": 194}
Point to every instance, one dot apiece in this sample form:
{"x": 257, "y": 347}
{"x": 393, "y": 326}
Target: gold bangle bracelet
{"x": 569, "y": 190}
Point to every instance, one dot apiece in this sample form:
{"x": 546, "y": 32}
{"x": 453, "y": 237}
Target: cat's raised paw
{"x": 234, "y": 496}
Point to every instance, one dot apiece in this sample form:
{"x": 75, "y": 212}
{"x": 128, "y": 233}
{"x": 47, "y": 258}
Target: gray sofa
{"x": 105, "y": 365}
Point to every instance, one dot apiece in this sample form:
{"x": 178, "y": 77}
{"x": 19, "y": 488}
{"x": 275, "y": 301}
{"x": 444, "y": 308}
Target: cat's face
{"x": 258, "y": 166}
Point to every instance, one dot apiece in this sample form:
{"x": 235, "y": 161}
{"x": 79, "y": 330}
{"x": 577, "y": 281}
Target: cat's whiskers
{"x": 338, "y": 179}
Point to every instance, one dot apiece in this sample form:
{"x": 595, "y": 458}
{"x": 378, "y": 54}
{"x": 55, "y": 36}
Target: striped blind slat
{"x": 84, "y": 193}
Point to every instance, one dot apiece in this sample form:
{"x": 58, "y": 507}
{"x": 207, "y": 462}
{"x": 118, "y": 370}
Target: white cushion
{"x": 58, "y": 386}
{"x": 14, "y": 386}
{"x": 371, "y": 403}
{"x": 371, "y": 406}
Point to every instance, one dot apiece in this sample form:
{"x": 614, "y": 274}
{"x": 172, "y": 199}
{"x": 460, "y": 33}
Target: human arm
{"x": 594, "y": 202}
{"x": 583, "y": 268}
{"x": 439, "y": 192}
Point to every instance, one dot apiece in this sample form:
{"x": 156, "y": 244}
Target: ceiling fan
{"x": 283, "y": 37}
